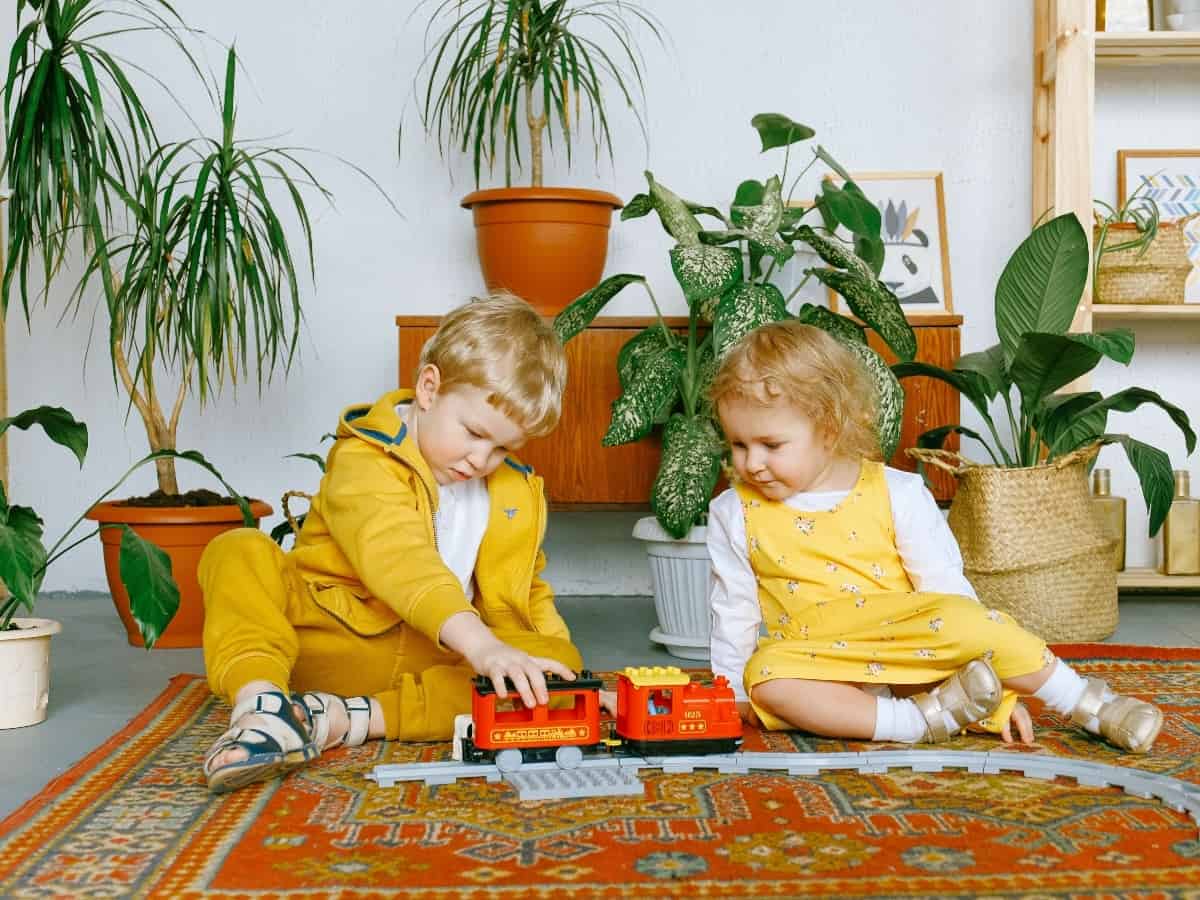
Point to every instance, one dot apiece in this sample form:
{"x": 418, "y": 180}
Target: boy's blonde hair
{"x": 809, "y": 370}
{"x": 499, "y": 344}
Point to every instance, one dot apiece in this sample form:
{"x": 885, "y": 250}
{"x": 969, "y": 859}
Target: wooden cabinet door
{"x": 582, "y": 474}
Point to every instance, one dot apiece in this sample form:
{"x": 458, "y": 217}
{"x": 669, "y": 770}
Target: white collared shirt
{"x": 927, "y": 549}
{"x": 459, "y": 523}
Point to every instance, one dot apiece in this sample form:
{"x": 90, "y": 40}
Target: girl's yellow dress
{"x": 837, "y": 604}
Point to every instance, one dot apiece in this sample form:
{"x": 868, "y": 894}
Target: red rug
{"x": 134, "y": 819}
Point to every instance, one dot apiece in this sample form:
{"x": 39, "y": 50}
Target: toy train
{"x": 660, "y": 712}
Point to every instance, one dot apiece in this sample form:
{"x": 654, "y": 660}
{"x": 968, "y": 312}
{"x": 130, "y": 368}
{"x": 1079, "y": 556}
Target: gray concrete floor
{"x": 99, "y": 682}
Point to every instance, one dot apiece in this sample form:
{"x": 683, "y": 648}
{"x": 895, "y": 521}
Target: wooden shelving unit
{"x": 1135, "y": 579}
{"x": 1146, "y": 312}
{"x": 1155, "y": 48}
{"x": 1066, "y": 52}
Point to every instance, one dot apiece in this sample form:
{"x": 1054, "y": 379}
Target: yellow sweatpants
{"x": 261, "y": 623}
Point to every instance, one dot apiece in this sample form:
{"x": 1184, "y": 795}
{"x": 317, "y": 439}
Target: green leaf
{"x": 748, "y": 193}
{"x": 60, "y": 426}
{"x": 1045, "y": 362}
{"x": 966, "y": 383}
{"x": 579, "y": 315}
{"x": 146, "y": 573}
{"x": 1060, "y": 412}
{"x": 705, "y": 272}
{"x": 761, "y": 222}
{"x": 1042, "y": 282}
{"x": 890, "y": 393}
{"x": 870, "y": 300}
{"x": 871, "y": 251}
{"x": 22, "y": 554}
{"x": 742, "y": 309}
{"x": 655, "y": 384}
{"x": 834, "y": 252}
{"x": 1153, "y": 468}
{"x": 676, "y": 218}
{"x": 311, "y": 457}
{"x": 687, "y": 473}
{"x": 775, "y": 130}
{"x": 639, "y": 205}
{"x": 646, "y": 343}
{"x": 839, "y": 326}
{"x": 934, "y": 438}
{"x": 1078, "y": 424}
{"x": 851, "y": 208}
{"x": 989, "y": 366}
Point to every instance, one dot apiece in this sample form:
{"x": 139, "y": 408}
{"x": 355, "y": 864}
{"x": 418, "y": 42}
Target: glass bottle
{"x": 1112, "y": 513}
{"x": 1181, "y": 531}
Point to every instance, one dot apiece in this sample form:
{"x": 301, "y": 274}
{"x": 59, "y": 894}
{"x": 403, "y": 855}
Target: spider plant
{"x": 74, "y": 122}
{"x": 1141, "y": 212}
{"x": 495, "y": 61}
{"x": 204, "y": 282}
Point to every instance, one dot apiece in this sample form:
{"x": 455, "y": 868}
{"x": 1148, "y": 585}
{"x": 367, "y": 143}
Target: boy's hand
{"x": 1024, "y": 722}
{"x": 491, "y": 657}
{"x": 608, "y": 702}
{"x": 749, "y": 716}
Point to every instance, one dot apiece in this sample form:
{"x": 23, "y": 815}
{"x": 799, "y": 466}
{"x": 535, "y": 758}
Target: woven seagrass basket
{"x": 1156, "y": 276}
{"x": 1033, "y": 545}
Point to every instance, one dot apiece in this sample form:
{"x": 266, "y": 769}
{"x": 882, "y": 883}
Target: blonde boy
{"x": 417, "y": 566}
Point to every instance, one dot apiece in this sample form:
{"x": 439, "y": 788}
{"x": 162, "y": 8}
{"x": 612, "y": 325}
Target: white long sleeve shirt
{"x": 927, "y": 549}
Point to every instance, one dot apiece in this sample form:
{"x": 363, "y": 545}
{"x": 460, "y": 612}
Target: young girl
{"x": 850, "y": 572}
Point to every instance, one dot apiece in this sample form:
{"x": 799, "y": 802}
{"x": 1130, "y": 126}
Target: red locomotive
{"x": 660, "y": 711}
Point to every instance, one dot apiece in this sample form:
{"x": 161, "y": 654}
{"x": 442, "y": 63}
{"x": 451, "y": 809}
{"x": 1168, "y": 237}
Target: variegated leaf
{"x": 891, "y": 397}
{"x": 761, "y": 222}
{"x": 834, "y": 251}
{"x": 586, "y": 307}
{"x": 826, "y": 319}
{"x": 655, "y": 384}
{"x": 676, "y": 218}
{"x": 639, "y": 205}
{"x": 870, "y": 300}
{"x": 742, "y": 309}
{"x": 705, "y": 272}
{"x": 687, "y": 474}
{"x": 646, "y": 342}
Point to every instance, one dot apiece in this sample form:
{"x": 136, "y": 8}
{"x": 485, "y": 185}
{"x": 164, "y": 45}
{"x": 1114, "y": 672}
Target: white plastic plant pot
{"x": 25, "y": 671}
{"x": 682, "y": 575}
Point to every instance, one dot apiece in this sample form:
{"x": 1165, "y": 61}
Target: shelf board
{"x": 1152, "y": 579}
{"x": 1146, "y": 311}
{"x": 1147, "y": 48}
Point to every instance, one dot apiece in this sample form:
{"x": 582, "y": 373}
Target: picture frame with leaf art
{"x": 916, "y": 262}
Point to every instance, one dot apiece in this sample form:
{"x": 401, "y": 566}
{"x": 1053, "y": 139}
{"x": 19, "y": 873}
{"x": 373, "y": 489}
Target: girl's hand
{"x": 608, "y": 702}
{"x": 1024, "y": 722}
{"x": 749, "y": 716}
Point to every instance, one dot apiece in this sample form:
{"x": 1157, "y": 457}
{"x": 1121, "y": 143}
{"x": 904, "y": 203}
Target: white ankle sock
{"x": 898, "y": 720}
{"x": 1062, "y": 691}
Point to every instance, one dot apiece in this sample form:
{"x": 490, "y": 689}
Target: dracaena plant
{"x": 145, "y": 569}
{"x": 725, "y": 275}
{"x": 498, "y": 69}
{"x": 1036, "y": 299}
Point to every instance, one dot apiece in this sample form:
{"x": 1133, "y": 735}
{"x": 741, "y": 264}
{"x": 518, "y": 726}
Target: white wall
{"x": 902, "y": 85}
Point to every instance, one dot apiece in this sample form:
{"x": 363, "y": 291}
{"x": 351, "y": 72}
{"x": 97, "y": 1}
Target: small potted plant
{"x": 500, "y": 69}
{"x": 725, "y": 274}
{"x": 1031, "y": 543}
{"x": 1136, "y": 257}
{"x": 145, "y": 571}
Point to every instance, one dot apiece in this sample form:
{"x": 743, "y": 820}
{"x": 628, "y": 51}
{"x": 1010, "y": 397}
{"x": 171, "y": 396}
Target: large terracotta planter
{"x": 183, "y": 532}
{"x": 546, "y": 245}
{"x": 25, "y": 671}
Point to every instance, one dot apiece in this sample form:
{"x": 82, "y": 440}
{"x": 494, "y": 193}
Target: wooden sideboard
{"x": 581, "y": 474}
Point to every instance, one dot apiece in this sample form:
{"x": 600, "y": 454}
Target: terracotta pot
{"x": 546, "y": 245}
{"x": 25, "y": 671}
{"x": 182, "y": 532}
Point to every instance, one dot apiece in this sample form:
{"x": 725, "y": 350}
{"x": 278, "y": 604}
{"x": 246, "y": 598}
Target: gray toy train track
{"x": 613, "y": 775}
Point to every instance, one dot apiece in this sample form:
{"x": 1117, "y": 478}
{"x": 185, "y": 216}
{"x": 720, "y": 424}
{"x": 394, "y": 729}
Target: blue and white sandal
{"x": 275, "y": 744}
{"x": 358, "y": 715}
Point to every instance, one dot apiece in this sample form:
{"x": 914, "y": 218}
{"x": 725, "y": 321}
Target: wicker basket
{"x": 1156, "y": 276}
{"x": 1033, "y": 545}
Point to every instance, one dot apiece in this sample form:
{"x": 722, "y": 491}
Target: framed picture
{"x": 1171, "y": 178}
{"x": 916, "y": 259}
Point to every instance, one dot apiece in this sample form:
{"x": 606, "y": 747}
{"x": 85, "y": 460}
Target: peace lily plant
{"x": 1036, "y": 299}
{"x": 725, "y": 273}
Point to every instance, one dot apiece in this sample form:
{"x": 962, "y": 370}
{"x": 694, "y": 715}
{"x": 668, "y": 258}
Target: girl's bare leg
{"x": 829, "y": 708}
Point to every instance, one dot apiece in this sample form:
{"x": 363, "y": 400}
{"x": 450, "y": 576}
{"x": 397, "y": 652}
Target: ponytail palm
{"x": 204, "y": 284}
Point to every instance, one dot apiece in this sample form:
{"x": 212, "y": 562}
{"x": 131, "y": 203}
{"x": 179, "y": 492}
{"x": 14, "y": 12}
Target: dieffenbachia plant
{"x": 725, "y": 274}
{"x": 1036, "y": 299}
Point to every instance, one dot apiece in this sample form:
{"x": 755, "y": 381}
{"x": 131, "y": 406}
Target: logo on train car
{"x": 555, "y": 733}
{"x": 692, "y": 727}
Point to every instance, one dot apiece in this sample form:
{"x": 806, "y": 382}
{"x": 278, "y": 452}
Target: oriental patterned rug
{"x": 134, "y": 819}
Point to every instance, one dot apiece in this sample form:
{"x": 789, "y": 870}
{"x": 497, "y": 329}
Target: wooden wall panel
{"x": 581, "y": 474}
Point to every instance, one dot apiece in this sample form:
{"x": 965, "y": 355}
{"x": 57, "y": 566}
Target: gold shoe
{"x": 970, "y": 694}
{"x": 1129, "y": 723}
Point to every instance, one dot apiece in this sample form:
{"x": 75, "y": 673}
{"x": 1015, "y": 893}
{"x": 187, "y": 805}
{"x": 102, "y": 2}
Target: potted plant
{"x": 1136, "y": 257}
{"x": 725, "y": 274}
{"x": 1031, "y": 544}
{"x": 145, "y": 571}
{"x": 498, "y": 69}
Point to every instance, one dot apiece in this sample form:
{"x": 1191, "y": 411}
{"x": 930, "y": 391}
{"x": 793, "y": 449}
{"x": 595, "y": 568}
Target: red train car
{"x": 660, "y": 710}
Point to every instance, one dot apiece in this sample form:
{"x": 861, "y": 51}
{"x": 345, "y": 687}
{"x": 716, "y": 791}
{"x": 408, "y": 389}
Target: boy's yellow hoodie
{"x": 368, "y": 552}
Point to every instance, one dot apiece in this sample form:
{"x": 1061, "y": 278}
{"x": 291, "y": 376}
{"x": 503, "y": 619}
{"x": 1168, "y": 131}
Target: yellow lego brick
{"x": 656, "y": 676}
